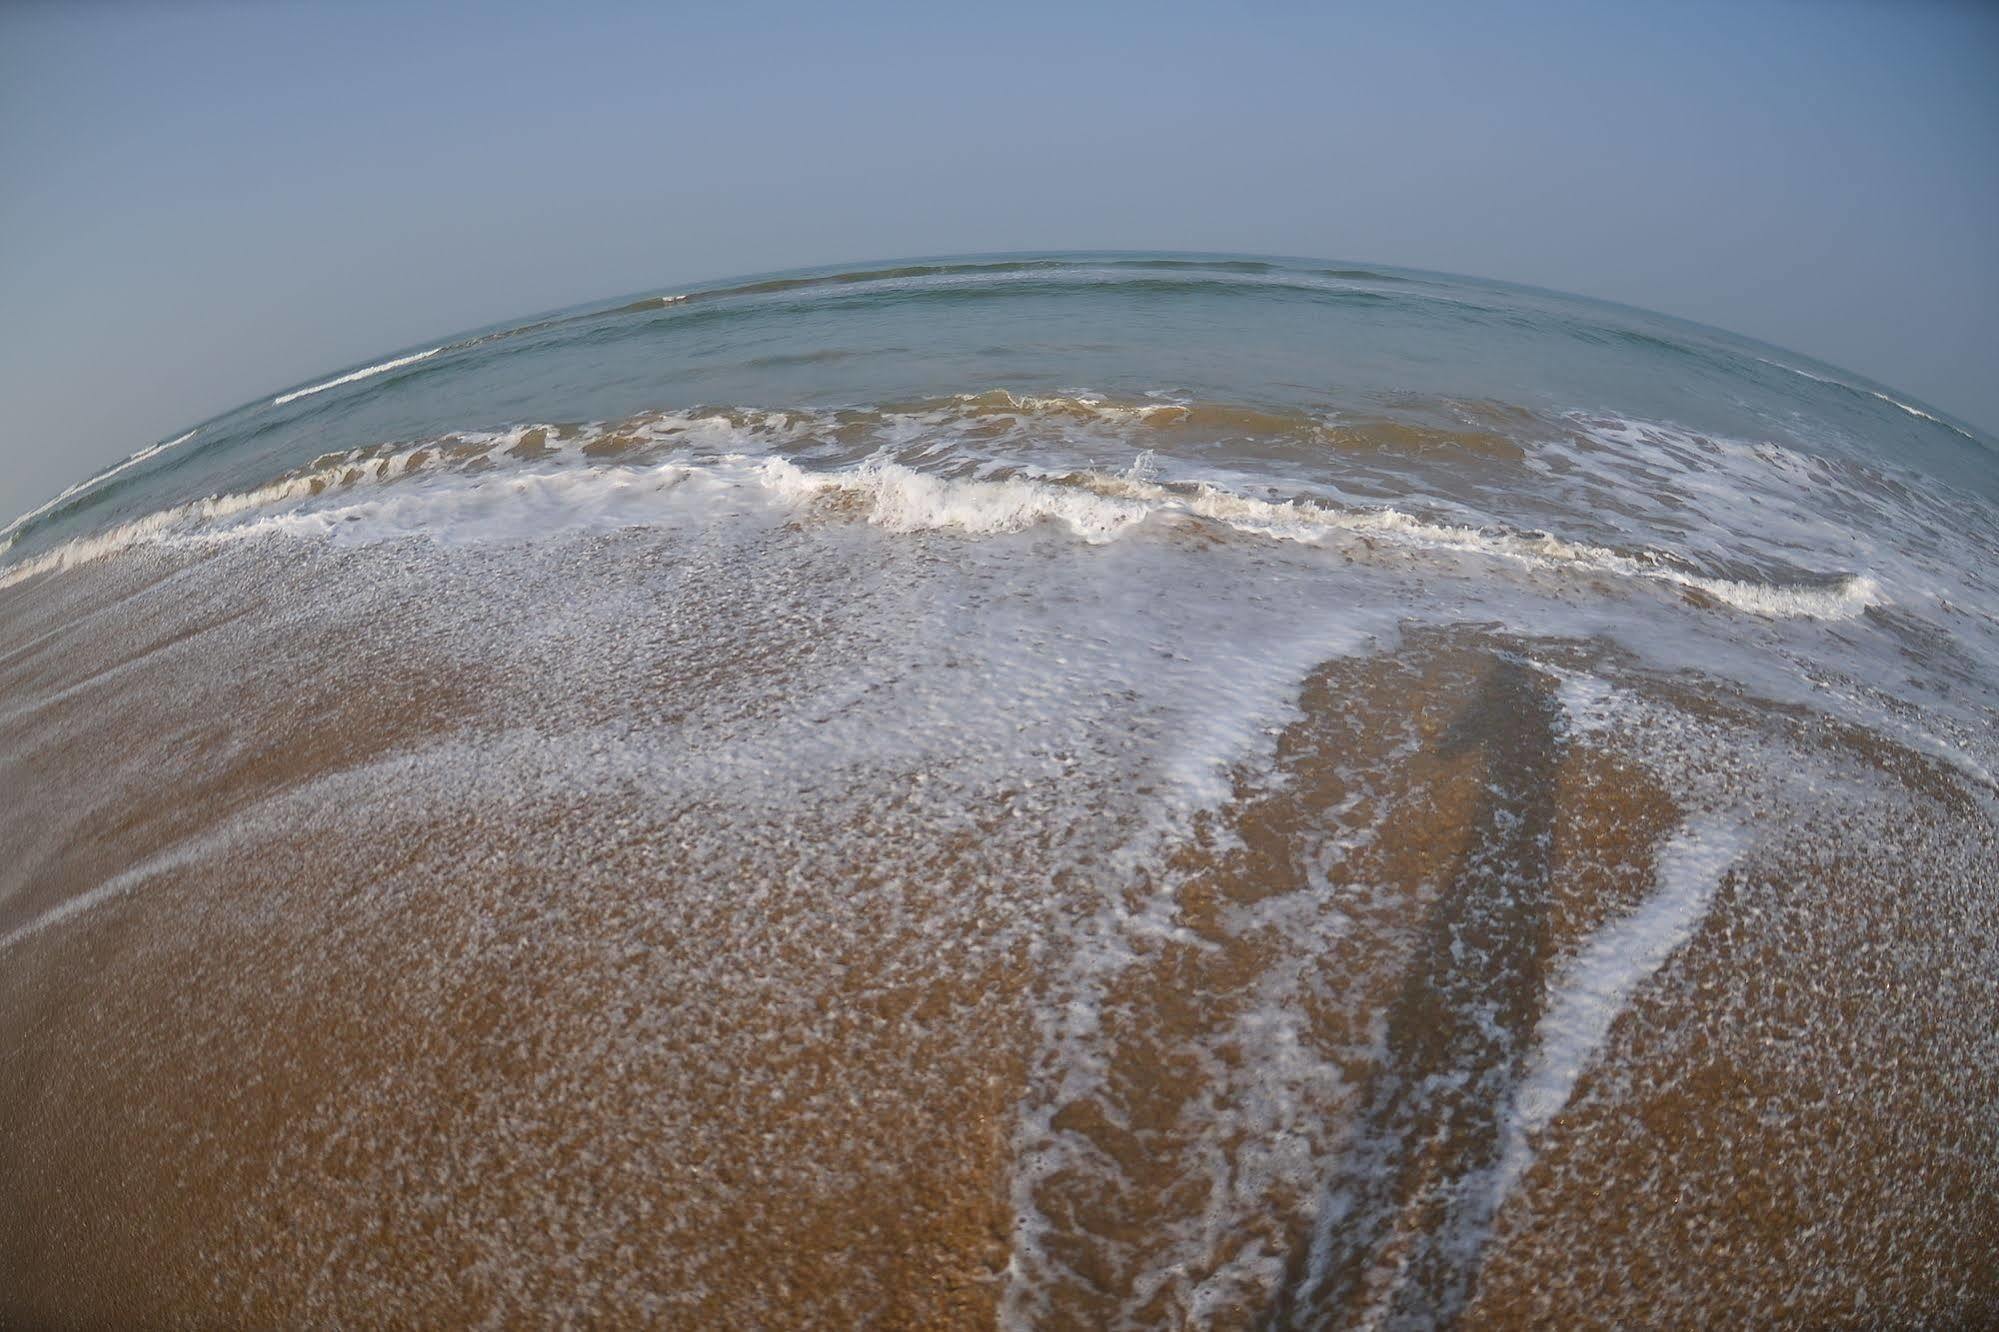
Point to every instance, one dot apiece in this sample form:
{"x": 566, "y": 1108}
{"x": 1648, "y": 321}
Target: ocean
{"x": 1097, "y": 790}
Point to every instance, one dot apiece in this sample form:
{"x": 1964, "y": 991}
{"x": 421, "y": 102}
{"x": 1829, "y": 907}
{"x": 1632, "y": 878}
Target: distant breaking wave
{"x": 368, "y": 373}
{"x": 1916, "y": 411}
{"x": 150, "y": 451}
{"x": 1855, "y": 388}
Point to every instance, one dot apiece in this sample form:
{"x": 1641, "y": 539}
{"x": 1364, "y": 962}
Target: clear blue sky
{"x": 201, "y": 203}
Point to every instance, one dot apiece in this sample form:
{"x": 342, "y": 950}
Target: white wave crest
{"x": 1854, "y": 388}
{"x": 1097, "y": 507}
{"x": 156, "y": 528}
{"x": 367, "y": 372}
{"x": 1916, "y": 411}
{"x": 904, "y": 500}
{"x": 1086, "y": 405}
{"x": 150, "y": 451}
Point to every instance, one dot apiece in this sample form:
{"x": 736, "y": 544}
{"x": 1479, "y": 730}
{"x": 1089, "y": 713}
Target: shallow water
{"x": 1102, "y": 790}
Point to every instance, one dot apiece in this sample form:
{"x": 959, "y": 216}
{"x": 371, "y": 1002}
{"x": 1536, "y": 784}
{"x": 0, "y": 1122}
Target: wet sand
{"x": 355, "y": 972}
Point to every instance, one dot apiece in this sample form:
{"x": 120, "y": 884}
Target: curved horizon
{"x": 1170, "y": 782}
{"x": 445, "y": 344}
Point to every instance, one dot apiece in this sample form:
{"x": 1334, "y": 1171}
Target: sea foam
{"x": 1590, "y": 993}
{"x": 360, "y": 500}
{"x": 146, "y": 454}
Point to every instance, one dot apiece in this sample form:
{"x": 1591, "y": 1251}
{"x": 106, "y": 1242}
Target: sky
{"x": 201, "y": 203}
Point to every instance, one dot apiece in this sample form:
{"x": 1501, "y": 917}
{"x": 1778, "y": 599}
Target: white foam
{"x": 1855, "y": 388}
{"x": 1187, "y": 651}
{"x": 1097, "y": 507}
{"x": 151, "y": 451}
{"x": 904, "y": 500}
{"x": 1916, "y": 411}
{"x": 367, "y": 373}
{"x": 1590, "y": 703}
{"x": 1806, "y": 373}
{"x": 1073, "y": 404}
{"x": 156, "y": 528}
{"x": 143, "y": 455}
{"x": 507, "y": 506}
{"x": 111, "y": 889}
{"x": 41, "y": 509}
{"x": 1594, "y": 988}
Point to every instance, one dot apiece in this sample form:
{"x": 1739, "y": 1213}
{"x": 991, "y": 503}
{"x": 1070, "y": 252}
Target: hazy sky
{"x": 203, "y": 203}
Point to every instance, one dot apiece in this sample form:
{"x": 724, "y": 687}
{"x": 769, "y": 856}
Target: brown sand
{"x": 351, "y": 1060}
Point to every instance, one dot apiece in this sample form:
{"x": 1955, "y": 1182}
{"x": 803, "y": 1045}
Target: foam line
{"x": 1596, "y": 987}
{"x": 151, "y": 451}
{"x": 368, "y": 372}
{"x": 1097, "y": 507}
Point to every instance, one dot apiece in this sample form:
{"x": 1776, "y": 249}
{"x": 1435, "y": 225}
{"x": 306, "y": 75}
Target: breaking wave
{"x": 1872, "y": 393}
{"x": 146, "y": 454}
{"x": 368, "y": 372}
{"x": 530, "y": 481}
